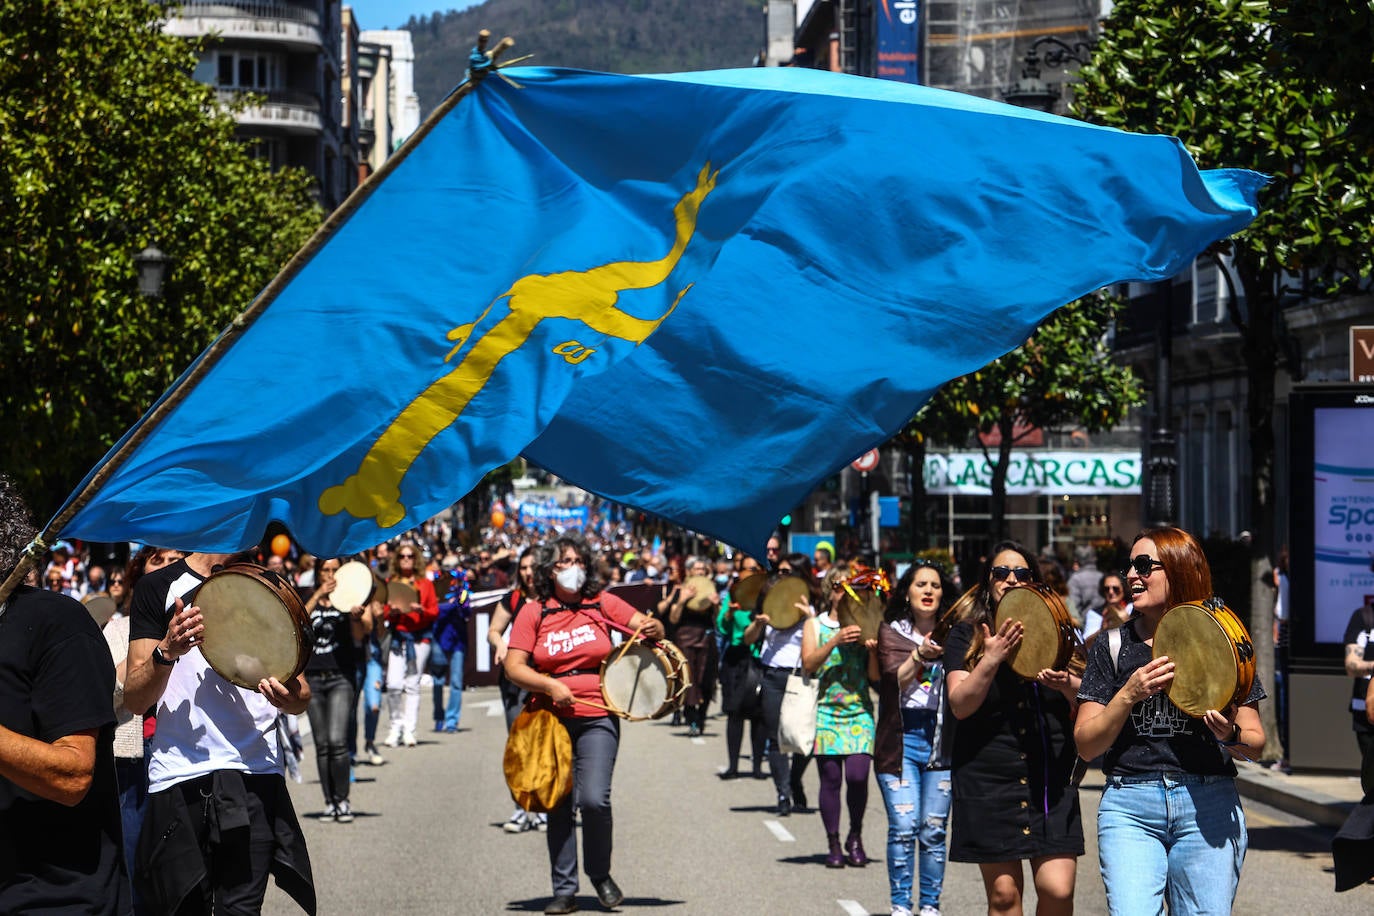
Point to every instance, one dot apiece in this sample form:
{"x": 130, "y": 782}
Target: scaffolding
{"x": 977, "y": 46}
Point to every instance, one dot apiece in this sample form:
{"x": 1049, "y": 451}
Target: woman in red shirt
{"x": 556, "y": 647}
{"x": 409, "y": 655}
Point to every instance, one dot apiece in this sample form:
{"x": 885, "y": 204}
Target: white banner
{"x": 1072, "y": 473}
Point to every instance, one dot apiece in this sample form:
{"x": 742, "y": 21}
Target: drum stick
{"x": 625, "y": 646}
{"x": 614, "y": 712}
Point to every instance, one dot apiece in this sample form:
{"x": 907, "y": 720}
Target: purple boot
{"x": 854, "y": 851}
{"x": 836, "y": 857}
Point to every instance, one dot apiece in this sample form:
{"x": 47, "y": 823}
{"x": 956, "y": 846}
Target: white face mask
{"x": 571, "y": 579}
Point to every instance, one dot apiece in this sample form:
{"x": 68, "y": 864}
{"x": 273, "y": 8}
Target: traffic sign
{"x": 865, "y": 462}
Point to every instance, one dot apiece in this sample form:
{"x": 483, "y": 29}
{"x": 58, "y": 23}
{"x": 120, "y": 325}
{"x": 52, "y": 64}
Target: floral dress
{"x": 844, "y": 711}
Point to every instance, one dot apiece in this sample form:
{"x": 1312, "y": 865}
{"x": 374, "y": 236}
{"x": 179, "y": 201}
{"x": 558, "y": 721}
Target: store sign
{"x": 1071, "y": 473}
{"x": 1362, "y": 354}
{"x": 899, "y": 41}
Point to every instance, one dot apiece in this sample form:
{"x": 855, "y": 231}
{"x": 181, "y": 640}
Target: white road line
{"x": 698, "y": 740}
{"x": 779, "y": 831}
{"x": 494, "y": 707}
{"x": 853, "y": 907}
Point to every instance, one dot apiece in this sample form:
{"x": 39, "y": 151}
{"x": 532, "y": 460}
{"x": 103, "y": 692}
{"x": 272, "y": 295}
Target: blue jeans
{"x": 917, "y": 815}
{"x": 372, "y": 694}
{"x": 447, "y": 666}
{"x": 1178, "y": 835}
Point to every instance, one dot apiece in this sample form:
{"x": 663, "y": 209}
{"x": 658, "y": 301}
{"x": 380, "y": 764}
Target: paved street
{"x": 428, "y": 840}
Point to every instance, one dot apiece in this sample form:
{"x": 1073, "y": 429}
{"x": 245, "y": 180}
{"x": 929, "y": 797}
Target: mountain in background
{"x": 616, "y": 36}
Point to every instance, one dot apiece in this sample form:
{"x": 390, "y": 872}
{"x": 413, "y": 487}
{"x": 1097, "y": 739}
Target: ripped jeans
{"x": 917, "y": 815}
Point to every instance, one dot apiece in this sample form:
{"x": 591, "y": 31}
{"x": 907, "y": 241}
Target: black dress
{"x": 1012, "y": 760}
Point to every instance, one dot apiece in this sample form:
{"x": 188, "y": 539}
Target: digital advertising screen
{"x": 1332, "y": 513}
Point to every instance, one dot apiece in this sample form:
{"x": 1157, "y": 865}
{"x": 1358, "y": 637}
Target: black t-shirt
{"x": 1158, "y": 737}
{"x": 1360, "y": 633}
{"x": 334, "y": 650}
{"x": 150, "y": 614}
{"x": 56, "y": 679}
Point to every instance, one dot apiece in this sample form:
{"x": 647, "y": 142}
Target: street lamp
{"x": 1030, "y": 91}
{"x": 151, "y": 265}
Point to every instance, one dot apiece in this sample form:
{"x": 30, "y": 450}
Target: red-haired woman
{"x": 1170, "y": 824}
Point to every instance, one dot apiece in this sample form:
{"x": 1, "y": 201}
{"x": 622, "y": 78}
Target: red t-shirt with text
{"x": 570, "y": 640}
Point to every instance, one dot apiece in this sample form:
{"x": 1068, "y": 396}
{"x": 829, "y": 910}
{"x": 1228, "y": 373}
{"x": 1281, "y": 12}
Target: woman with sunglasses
{"x": 1013, "y": 754}
{"x": 911, "y": 749}
{"x": 409, "y": 655}
{"x": 1113, "y": 612}
{"x": 1170, "y": 824}
{"x": 780, "y": 655}
{"x": 557, "y": 645}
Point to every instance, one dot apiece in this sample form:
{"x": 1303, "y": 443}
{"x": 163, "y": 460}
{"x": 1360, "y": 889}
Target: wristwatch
{"x": 160, "y": 659}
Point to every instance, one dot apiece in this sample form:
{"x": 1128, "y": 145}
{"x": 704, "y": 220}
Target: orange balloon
{"x": 281, "y": 545}
{"x": 498, "y": 518}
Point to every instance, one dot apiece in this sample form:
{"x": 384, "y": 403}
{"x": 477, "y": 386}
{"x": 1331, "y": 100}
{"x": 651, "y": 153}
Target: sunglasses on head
{"x": 1144, "y": 565}
{"x": 1000, "y": 573}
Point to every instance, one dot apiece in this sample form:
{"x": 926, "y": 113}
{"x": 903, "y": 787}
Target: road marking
{"x": 779, "y": 831}
{"x": 494, "y": 707}
{"x": 698, "y": 740}
{"x": 853, "y": 907}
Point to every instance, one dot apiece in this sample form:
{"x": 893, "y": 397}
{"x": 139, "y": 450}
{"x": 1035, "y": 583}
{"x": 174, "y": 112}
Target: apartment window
{"x": 249, "y": 70}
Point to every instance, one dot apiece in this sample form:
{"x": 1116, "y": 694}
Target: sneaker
{"x": 901, "y": 911}
{"x": 1280, "y": 766}
{"x": 330, "y": 812}
{"x": 393, "y": 739}
{"x": 344, "y": 814}
{"x": 518, "y": 823}
{"x": 409, "y": 739}
{"x": 694, "y": 730}
{"x": 541, "y": 823}
{"x": 929, "y": 910}
{"x": 373, "y": 758}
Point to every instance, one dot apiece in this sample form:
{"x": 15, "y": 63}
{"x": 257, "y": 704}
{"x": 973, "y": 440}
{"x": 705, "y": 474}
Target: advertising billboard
{"x": 1332, "y": 513}
{"x": 899, "y": 40}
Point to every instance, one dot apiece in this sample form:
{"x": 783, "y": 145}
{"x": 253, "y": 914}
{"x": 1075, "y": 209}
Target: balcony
{"x": 290, "y": 27}
{"x": 296, "y": 113}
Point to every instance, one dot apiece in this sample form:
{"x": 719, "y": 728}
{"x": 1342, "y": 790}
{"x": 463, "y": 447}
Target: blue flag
{"x": 698, "y": 294}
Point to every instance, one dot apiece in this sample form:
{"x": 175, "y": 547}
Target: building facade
{"x": 289, "y": 56}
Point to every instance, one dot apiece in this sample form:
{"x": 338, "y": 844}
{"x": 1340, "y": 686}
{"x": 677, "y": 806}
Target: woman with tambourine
{"x": 911, "y": 749}
{"x": 1170, "y": 824}
{"x": 411, "y": 611}
{"x": 556, "y": 648}
{"x": 1013, "y": 755}
{"x": 741, "y": 686}
{"x": 330, "y": 674}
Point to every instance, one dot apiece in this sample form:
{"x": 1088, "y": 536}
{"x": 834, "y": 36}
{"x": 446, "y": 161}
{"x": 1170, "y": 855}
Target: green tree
{"x": 110, "y": 146}
{"x": 1063, "y": 376}
{"x": 1211, "y": 72}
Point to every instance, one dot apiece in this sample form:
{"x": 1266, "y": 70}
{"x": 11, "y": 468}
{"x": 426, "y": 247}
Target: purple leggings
{"x": 851, "y": 769}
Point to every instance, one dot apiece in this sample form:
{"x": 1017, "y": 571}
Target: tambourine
{"x": 706, "y": 598}
{"x": 1049, "y": 633}
{"x": 746, "y": 590}
{"x": 353, "y": 585}
{"x": 780, "y": 604}
{"x": 1214, "y": 660}
{"x": 255, "y": 626}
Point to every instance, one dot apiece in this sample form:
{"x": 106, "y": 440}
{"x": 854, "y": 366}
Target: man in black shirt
{"x": 1359, "y": 664}
{"x": 60, "y": 835}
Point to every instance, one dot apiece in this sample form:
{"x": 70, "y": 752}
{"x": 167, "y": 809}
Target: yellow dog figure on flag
{"x": 588, "y": 296}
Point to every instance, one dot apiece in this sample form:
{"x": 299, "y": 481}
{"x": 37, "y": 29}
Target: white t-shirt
{"x": 204, "y": 723}
{"x": 782, "y": 648}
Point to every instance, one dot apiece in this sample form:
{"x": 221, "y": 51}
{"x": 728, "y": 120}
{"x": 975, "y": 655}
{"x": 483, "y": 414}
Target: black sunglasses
{"x": 1144, "y": 565}
{"x": 1000, "y": 573}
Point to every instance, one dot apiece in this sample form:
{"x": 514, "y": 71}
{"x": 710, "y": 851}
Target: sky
{"x": 392, "y": 14}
